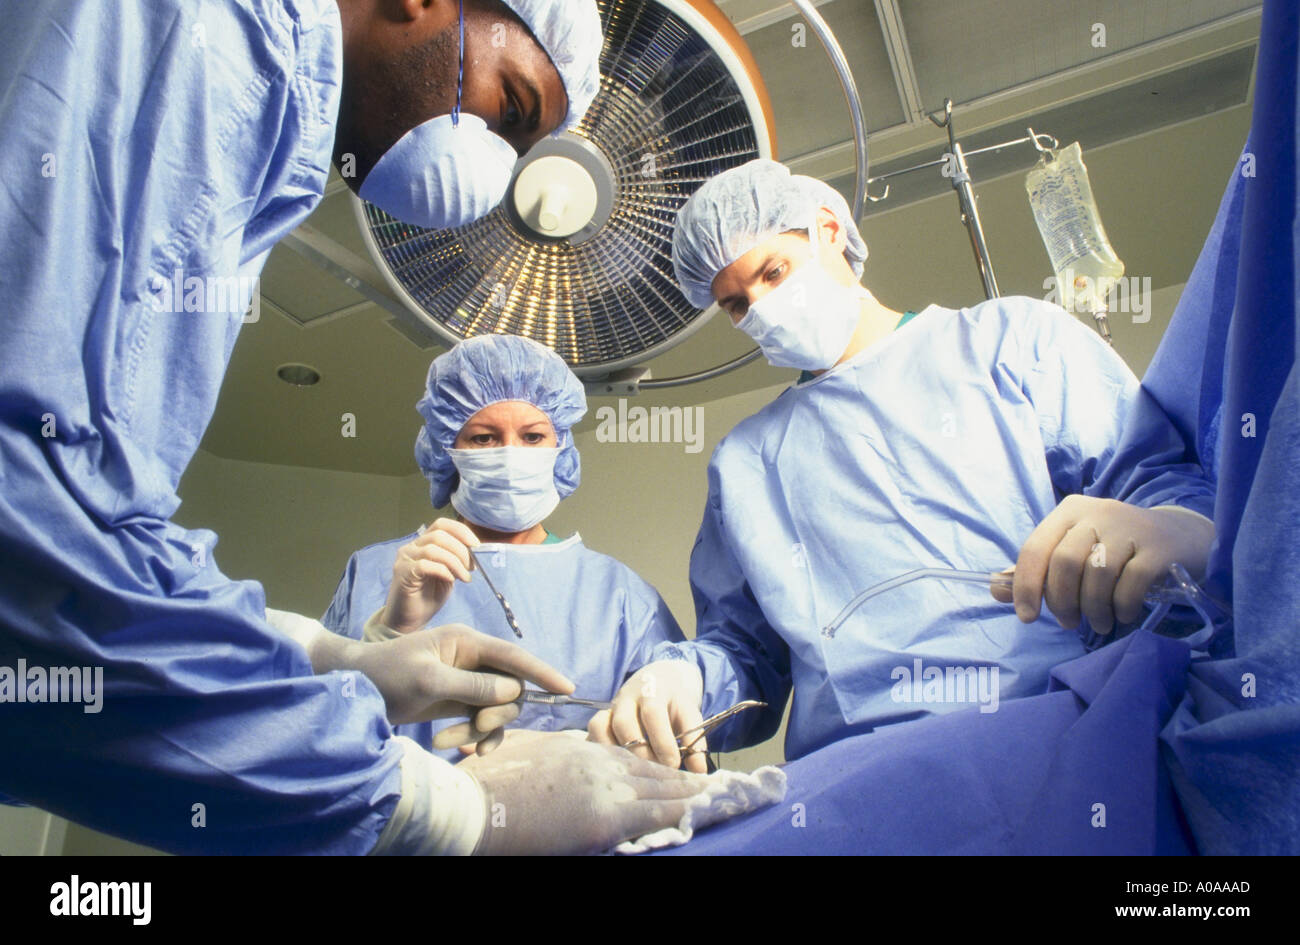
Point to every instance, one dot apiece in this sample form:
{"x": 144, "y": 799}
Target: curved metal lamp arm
{"x": 841, "y": 65}
{"x": 701, "y": 375}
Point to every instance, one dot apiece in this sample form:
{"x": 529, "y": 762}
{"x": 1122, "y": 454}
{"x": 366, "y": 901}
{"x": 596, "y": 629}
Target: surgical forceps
{"x": 505, "y": 605}
{"x": 708, "y": 725}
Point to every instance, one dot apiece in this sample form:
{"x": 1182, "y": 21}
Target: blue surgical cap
{"x": 486, "y": 370}
{"x": 742, "y": 208}
{"x": 569, "y": 31}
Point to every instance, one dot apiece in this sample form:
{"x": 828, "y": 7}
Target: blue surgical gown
{"x": 943, "y": 445}
{"x": 589, "y": 616}
{"x": 154, "y": 152}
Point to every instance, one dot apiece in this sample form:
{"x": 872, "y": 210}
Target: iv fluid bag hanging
{"x": 1086, "y": 266}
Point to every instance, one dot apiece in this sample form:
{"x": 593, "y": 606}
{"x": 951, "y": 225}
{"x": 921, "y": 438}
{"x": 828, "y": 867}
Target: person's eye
{"x": 776, "y": 273}
{"x": 532, "y": 439}
{"x": 481, "y": 439}
{"x": 512, "y": 116}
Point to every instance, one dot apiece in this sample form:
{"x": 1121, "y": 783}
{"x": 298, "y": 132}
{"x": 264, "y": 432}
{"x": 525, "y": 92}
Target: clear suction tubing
{"x": 1209, "y": 617}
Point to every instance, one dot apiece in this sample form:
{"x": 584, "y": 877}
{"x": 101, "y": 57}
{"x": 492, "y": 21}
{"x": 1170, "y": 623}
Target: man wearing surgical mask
{"x": 150, "y": 141}
{"x": 958, "y": 439}
{"x": 497, "y": 447}
{"x": 439, "y": 98}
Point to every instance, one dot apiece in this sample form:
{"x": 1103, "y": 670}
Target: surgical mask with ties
{"x": 445, "y": 172}
{"x": 506, "y": 488}
{"x": 808, "y": 320}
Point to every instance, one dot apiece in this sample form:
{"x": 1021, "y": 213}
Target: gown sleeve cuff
{"x": 442, "y": 810}
{"x": 682, "y": 652}
{"x": 301, "y": 630}
{"x": 326, "y": 651}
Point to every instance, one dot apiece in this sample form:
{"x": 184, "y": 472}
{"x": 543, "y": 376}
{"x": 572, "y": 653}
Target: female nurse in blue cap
{"x": 497, "y": 444}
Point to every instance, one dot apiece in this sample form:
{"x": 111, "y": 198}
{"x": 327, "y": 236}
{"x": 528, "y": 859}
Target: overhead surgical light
{"x": 578, "y": 255}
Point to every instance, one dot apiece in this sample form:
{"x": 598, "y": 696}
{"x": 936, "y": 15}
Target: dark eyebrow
{"x": 761, "y": 269}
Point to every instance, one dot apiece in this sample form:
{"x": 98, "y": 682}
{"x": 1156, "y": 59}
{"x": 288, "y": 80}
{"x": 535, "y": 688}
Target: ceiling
{"x": 1160, "y": 111}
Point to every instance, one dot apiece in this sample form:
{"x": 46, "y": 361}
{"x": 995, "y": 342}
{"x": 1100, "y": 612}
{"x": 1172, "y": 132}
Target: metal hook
{"x": 1048, "y": 151}
{"x": 873, "y": 198}
{"x": 947, "y": 115}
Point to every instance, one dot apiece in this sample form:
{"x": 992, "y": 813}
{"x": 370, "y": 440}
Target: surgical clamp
{"x": 708, "y": 725}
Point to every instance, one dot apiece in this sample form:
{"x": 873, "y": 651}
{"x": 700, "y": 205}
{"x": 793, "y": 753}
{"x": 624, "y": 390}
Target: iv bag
{"x": 1086, "y": 266}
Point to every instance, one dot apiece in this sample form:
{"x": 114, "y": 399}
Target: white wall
{"x": 289, "y": 527}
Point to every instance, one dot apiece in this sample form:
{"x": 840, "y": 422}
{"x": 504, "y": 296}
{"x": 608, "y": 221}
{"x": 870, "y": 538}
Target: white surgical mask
{"x": 445, "y": 172}
{"x": 506, "y": 488}
{"x": 440, "y": 174}
{"x": 808, "y": 320}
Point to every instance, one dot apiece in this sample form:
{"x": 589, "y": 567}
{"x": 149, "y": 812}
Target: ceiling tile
{"x": 966, "y": 49}
{"x": 807, "y": 98}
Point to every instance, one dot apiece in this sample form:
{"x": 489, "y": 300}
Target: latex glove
{"x": 657, "y": 703}
{"x": 425, "y": 571}
{"x": 554, "y": 793}
{"x": 434, "y": 673}
{"x": 1097, "y": 558}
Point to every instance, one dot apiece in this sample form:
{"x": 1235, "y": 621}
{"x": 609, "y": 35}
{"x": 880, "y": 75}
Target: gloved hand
{"x": 425, "y": 571}
{"x": 1098, "y": 557}
{"x": 431, "y": 674}
{"x": 657, "y": 703}
{"x": 559, "y": 794}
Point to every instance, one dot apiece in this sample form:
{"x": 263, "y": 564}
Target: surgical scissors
{"x": 505, "y": 605}
{"x": 708, "y": 725}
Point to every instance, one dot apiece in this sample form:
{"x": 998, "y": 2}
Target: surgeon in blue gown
{"x": 154, "y": 150}
{"x": 1140, "y": 747}
{"x": 497, "y": 444}
{"x": 968, "y": 439}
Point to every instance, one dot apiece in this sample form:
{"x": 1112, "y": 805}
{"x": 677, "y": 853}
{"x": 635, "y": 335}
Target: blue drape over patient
{"x": 1227, "y": 370}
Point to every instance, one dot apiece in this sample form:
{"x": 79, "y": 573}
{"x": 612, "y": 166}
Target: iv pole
{"x": 970, "y": 215}
{"x": 961, "y": 183}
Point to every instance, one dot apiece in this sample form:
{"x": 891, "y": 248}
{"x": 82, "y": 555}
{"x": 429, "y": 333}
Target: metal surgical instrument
{"x": 708, "y": 725}
{"x": 505, "y": 605}
{"x": 553, "y": 698}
